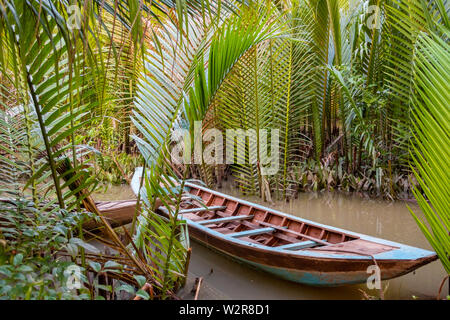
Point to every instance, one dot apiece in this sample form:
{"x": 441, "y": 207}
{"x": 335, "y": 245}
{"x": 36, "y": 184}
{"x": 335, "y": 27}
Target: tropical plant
{"x": 431, "y": 145}
{"x": 179, "y": 75}
{"x": 340, "y": 86}
{"x": 333, "y": 88}
{"x": 60, "y": 80}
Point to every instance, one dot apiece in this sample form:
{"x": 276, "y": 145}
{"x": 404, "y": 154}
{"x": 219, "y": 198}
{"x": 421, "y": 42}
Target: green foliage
{"x": 61, "y": 81}
{"x": 430, "y": 149}
{"x": 29, "y": 239}
{"x": 340, "y": 80}
{"x": 164, "y": 244}
{"x": 346, "y": 87}
{"x": 164, "y": 75}
{"x": 179, "y": 75}
{"x": 116, "y": 169}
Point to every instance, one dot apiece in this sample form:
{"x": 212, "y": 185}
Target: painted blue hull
{"x": 354, "y": 272}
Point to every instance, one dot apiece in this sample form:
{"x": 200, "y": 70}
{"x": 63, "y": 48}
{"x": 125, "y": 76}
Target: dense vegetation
{"x": 357, "y": 89}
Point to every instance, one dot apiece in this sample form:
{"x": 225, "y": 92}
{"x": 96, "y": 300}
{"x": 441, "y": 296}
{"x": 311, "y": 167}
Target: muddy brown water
{"x": 224, "y": 278}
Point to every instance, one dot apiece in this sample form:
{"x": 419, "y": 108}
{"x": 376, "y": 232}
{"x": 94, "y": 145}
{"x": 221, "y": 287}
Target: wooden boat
{"x": 118, "y": 213}
{"x": 289, "y": 247}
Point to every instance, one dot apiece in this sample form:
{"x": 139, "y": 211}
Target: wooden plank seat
{"x": 223, "y": 230}
{"x": 228, "y": 231}
{"x": 225, "y": 219}
{"x": 190, "y": 213}
{"x": 279, "y": 235}
{"x": 248, "y": 239}
{"x": 201, "y": 209}
{"x": 299, "y": 245}
{"x": 323, "y": 242}
{"x": 253, "y": 232}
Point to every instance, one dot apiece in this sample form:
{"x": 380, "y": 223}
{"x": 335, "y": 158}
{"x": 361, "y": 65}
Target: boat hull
{"x": 312, "y": 271}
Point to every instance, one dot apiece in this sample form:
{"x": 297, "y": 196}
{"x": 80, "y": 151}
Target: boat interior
{"x": 241, "y": 220}
{"x": 253, "y": 224}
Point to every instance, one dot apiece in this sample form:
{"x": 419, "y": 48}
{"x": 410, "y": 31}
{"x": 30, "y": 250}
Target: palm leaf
{"x": 431, "y": 147}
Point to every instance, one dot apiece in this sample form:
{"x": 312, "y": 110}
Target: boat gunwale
{"x": 409, "y": 251}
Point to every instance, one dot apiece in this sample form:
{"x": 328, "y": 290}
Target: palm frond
{"x": 430, "y": 152}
